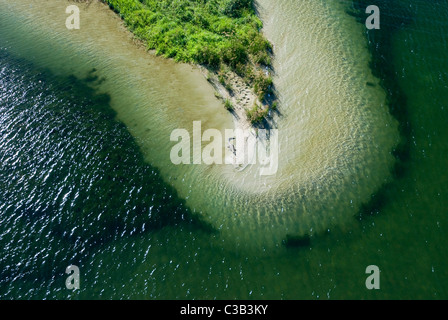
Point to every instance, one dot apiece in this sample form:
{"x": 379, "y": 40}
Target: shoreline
{"x": 238, "y": 92}
{"x": 241, "y": 96}
{"x": 329, "y": 135}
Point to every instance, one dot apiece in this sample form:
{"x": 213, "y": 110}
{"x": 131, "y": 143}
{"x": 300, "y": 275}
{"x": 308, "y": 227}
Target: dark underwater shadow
{"x": 393, "y": 19}
{"x": 110, "y": 191}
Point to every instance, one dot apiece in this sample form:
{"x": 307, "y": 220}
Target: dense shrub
{"x": 198, "y": 31}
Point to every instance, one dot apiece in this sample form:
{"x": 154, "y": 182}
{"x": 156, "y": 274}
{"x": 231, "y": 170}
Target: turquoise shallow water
{"x": 64, "y": 155}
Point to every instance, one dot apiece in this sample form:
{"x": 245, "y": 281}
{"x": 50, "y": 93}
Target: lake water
{"x": 86, "y": 177}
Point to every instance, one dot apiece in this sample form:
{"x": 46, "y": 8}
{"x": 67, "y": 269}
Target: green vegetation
{"x": 207, "y": 32}
{"x": 217, "y": 95}
{"x": 229, "y": 88}
{"x": 221, "y": 79}
{"x": 262, "y": 85}
{"x": 228, "y": 105}
{"x": 256, "y": 114}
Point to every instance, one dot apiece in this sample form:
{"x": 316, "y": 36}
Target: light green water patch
{"x": 335, "y": 132}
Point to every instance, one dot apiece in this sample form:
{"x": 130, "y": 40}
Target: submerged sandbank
{"x": 335, "y": 132}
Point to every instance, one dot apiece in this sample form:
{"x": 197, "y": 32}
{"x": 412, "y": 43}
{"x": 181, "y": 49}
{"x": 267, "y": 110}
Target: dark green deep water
{"x": 63, "y": 154}
{"x": 74, "y": 189}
